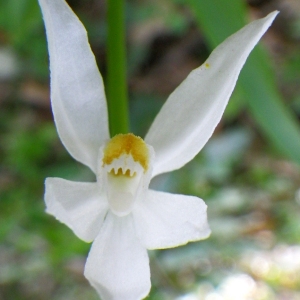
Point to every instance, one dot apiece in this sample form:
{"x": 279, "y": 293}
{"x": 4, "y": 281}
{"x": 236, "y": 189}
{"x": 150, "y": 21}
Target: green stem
{"x": 116, "y": 68}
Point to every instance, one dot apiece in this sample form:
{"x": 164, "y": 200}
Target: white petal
{"x": 193, "y": 110}
{"x": 77, "y": 92}
{"x": 118, "y": 265}
{"x": 164, "y": 220}
{"x": 79, "y": 205}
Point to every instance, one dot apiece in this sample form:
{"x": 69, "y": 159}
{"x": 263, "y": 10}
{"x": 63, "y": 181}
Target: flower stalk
{"x": 116, "y": 68}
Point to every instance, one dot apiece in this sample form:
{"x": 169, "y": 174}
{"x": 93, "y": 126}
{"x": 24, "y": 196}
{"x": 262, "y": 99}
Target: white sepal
{"x": 118, "y": 265}
{"x": 77, "y": 92}
{"x": 193, "y": 110}
{"x": 164, "y": 220}
{"x": 79, "y": 205}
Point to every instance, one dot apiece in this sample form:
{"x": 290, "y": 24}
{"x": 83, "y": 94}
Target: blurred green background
{"x": 248, "y": 173}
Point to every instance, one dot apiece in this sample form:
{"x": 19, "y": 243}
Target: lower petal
{"x": 79, "y": 205}
{"x": 118, "y": 265}
{"x": 164, "y": 220}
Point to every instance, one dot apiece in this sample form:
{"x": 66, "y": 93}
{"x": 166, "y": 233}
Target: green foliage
{"x": 21, "y": 24}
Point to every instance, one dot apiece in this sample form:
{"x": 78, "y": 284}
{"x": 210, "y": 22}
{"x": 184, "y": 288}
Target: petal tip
{"x": 206, "y": 232}
{"x": 274, "y": 13}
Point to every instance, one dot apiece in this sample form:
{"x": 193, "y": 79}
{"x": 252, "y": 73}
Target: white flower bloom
{"x": 119, "y": 212}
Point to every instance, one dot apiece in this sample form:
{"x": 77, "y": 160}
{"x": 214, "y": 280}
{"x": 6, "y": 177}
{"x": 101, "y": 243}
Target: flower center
{"x": 128, "y": 144}
{"x": 125, "y": 160}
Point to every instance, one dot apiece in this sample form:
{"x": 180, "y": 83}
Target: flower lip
{"x": 125, "y": 147}
{"x": 126, "y": 161}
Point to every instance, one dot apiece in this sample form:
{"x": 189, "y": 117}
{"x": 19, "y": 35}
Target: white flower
{"x": 118, "y": 212}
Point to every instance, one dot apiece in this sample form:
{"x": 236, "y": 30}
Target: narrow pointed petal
{"x": 77, "y": 92}
{"x": 164, "y": 220}
{"x": 79, "y": 205}
{"x": 118, "y": 265}
{"x": 193, "y": 110}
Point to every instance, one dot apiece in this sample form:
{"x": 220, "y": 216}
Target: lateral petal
{"x": 165, "y": 220}
{"x": 79, "y": 205}
{"x": 118, "y": 265}
{"x": 193, "y": 110}
{"x": 77, "y": 92}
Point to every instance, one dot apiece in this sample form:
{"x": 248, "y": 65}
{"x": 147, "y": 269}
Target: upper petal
{"x": 77, "y": 92}
{"x": 164, "y": 220}
{"x": 79, "y": 205}
{"x": 193, "y": 110}
{"x": 118, "y": 265}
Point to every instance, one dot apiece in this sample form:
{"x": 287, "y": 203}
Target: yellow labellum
{"x": 128, "y": 144}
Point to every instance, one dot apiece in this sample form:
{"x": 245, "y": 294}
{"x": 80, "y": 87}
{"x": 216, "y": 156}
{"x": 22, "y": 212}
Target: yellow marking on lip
{"x": 207, "y": 65}
{"x": 127, "y": 144}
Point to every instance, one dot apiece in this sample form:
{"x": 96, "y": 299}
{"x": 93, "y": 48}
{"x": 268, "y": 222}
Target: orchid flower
{"x": 118, "y": 212}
